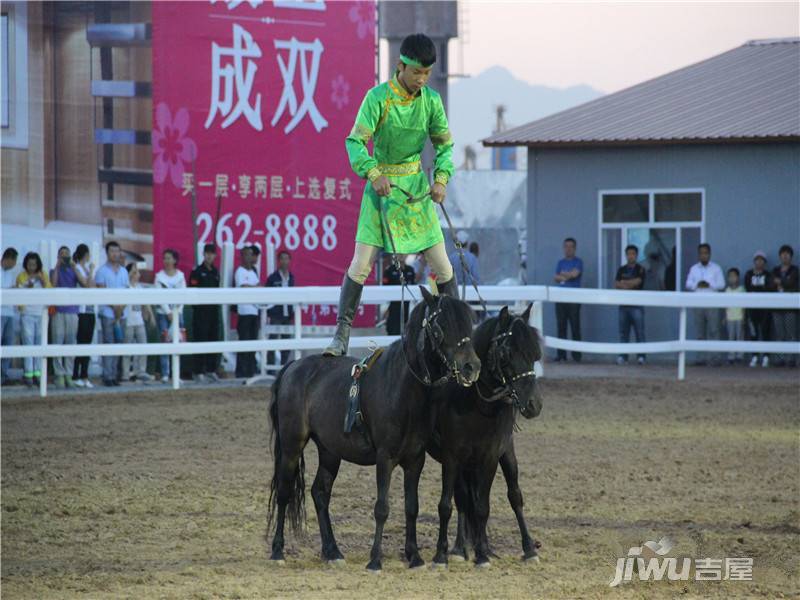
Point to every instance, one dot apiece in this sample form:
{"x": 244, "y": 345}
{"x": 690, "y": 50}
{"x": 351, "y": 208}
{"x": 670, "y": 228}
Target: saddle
{"x": 354, "y": 416}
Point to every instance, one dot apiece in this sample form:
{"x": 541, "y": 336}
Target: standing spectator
{"x": 65, "y": 321}
{"x": 670, "y": 273}
{"x": 758, "y": 279}
{"x": 734, "y": 316}
{"x": 10, "y": 316}
{"x": 112, "y": 275}
{"x": 281, "y": 314}
{"x": 135, "y": 331}
{"x": 205, "y": 317}
{"x": 787, "y": 279}
{"x": 568, "y": 274}
{"x": 32, "y": 276}
{"x": 84, "y": 271}
{"x": 469, "y": 275}
{"x": 706, "y": 276}
{"x": 168, "y": 278}
{"x": 631, "y": 276}
{"x": 392, "y": 276}
{"x": 246, "y": 276}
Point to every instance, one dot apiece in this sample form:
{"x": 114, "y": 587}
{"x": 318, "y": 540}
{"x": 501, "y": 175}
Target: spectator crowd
{"x": 134, "y": 323}
{"x": 704, "y": 276}
{"x": 138, "y": 324}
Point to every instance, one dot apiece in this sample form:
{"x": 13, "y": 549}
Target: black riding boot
{"x": 349, "y": 299}
{"x": 448, "y": 288}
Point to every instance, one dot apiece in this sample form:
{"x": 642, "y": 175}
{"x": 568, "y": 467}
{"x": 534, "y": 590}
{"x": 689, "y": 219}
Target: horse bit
{"x": 507, "y": 389}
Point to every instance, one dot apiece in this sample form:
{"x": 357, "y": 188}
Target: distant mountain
{"x": 472, "y": 103}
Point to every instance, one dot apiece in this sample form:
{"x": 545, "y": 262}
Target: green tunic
{"x": 399, "y": 125}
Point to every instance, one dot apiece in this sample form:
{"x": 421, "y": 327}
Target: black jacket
{"x": 274, "y": 280}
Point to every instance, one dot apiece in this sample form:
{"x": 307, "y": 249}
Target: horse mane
{"x": 526, "y": 340}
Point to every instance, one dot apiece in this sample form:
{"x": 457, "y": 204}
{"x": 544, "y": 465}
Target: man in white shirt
{"x": 10, "y": 317}
{"x": 247, "y": 323}
{"x": 706, "y": 276}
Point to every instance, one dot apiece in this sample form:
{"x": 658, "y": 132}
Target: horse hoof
{"x": 534, "y": 558}
{"x": 336, "y": 562}
{"x": 458, "y": 557}
{"x": 483, "y": 565}
{"x": 277, "y": 561}
{"x": 439, "y": 565}
{"x": 374, "y": 567}
{"x": 416, "y": 563}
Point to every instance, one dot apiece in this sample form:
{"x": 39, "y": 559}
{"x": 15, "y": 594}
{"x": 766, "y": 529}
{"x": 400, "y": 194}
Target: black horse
{"x": 309, "y": 401}
{"x": 474, "y": 430}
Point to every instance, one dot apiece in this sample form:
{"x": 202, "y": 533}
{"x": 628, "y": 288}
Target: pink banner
{"x": 252, "y": 102}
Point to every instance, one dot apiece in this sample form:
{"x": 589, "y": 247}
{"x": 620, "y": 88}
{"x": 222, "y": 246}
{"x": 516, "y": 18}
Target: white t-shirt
{"x": 9, "y": 281}
{"x": 246, "y": 277}
{"x": 133, "y": 312}
{"x": 175, "y": 281}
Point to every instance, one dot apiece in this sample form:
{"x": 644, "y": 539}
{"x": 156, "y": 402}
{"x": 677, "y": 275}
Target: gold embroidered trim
{"x": 398, "y": 89}
{"x": 362, "y": 132}
{"x": 440, "y": 139}
{"x": 441, "y": 177}
{"x": 373, "y": 174}
{"x": 409, "y": 168}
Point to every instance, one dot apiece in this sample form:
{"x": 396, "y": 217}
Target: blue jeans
{"x": 631, "y": 316}
{"x": 32, "y": 336}
{"x": 163, "y": 325}
{"x": 8, "y": 332}
{"x": 110, "y": 363}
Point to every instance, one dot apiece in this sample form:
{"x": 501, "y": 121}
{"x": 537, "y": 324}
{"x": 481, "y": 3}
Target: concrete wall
{"x": 752, "y": 201}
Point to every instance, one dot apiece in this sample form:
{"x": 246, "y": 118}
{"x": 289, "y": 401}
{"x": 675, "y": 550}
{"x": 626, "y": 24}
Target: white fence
{"x": 300, "y": 296}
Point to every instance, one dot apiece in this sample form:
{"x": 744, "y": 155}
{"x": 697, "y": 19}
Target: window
{"x": 14, "y": 75}
{"x": 665, "y": 225}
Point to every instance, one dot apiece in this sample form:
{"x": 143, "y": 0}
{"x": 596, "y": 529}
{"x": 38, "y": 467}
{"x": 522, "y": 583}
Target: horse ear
{"x": 429, "y": 298}
{"x": 527, "y": 314}
{"x": 503, "y": 317}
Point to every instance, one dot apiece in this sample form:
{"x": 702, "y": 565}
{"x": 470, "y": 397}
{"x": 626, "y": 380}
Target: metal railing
{"x": 299, "y": 296}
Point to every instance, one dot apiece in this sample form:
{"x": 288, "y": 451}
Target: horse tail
{"x": 296, "y": 506}
{"x": 467, "y": 504}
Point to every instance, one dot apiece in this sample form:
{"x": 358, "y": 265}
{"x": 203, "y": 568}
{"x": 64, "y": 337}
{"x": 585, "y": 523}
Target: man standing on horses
{"x": 398, "y": 116}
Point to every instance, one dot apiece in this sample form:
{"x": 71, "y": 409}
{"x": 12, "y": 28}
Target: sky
{"x": 609, "y": 45}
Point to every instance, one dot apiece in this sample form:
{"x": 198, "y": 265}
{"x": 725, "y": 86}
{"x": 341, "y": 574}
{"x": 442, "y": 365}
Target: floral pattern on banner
{"x": 173, "y": 150}
{"x": 363, "y": 15}
{"x": 340, "y": 92}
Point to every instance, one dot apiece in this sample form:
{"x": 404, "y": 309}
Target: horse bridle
{"x": 431, "y": 330}
{"x": 498, "y": 356}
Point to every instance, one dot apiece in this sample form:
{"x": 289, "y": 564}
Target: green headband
{"x": 411, "y": 61}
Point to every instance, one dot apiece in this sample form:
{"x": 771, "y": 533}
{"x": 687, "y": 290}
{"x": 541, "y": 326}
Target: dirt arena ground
{"x": 162, "y": 494}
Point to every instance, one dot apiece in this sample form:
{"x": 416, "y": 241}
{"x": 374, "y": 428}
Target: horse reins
{"x": 506, "y": 388}
{"x": 429, "y": 327}
{"x": 410, "y": 199}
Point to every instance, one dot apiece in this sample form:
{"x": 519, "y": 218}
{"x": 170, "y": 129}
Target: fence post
{"x": 298, "y": 328}
{"x": 43, "y": 359}
{"x": 682, "y": 339}
{"x": 176, "y": 338}
{"x": 262, "y": 335}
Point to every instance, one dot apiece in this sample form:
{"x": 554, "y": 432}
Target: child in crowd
{"x": 734, "y": 317}
{"x": 135, "y": 331}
